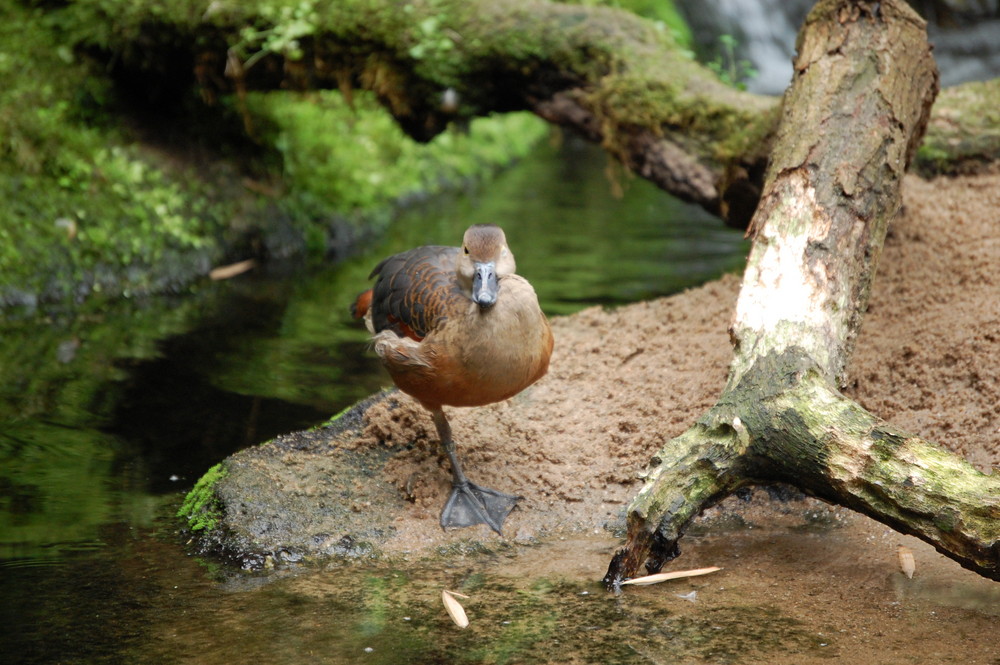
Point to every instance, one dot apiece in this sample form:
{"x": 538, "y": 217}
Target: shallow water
{"x": 831, "y": 593}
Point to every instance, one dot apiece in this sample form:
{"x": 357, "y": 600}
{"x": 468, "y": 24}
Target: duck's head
{"x": 483, "y": 260}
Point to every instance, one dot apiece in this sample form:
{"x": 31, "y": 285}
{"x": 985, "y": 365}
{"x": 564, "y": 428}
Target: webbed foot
{"x": 470, "y": 504}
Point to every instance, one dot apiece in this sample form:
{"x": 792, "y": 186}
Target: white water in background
{"x": 765, "y": 32}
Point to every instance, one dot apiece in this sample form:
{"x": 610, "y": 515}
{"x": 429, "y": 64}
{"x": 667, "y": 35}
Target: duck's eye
{"x": 466, "y": 249}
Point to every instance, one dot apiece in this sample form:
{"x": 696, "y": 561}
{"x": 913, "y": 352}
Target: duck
{"x": 458, "y": 327}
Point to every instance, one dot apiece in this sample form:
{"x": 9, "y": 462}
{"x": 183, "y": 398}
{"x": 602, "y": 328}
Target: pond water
{"x": 111, "y": 411}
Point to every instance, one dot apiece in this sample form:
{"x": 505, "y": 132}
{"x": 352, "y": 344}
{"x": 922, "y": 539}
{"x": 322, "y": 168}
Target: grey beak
{"x": 485, "y": 285}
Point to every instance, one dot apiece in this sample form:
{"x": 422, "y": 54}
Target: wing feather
{"x": 413, "y": 290}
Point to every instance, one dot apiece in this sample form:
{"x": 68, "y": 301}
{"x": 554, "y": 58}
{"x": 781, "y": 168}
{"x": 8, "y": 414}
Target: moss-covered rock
{"x": 964, "y": 131}
{"x": 84, "y": 208}
{"x": 200, "y": 508}
{"x": 309, "y": 494}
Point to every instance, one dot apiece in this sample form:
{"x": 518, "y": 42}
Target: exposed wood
{"x": 647, "y": 580}
{"x": 863, "y": 88}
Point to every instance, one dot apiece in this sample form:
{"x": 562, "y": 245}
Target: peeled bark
{"x": 858, "y": 105}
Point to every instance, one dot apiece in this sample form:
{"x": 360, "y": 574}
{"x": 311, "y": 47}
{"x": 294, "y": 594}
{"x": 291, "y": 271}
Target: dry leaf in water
{"x": 232, "y": 270}
{"x": 454, "y": 608}
{"x": 674, "y": 575}
{"x": 906, "y": 562}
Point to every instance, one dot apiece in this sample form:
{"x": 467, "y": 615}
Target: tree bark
{"x": 863, "y": 86}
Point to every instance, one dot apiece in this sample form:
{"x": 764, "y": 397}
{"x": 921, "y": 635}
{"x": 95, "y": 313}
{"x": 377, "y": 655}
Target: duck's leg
{"x": 470, "y": 504}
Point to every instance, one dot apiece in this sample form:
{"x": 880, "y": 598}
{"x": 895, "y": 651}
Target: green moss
{"x": 201, "y": 508}
{"x": 337, "y": 416}
{"x": 85, "y": 209}
{"x": 663, "y": 12}
{"x": 352, "y": 159}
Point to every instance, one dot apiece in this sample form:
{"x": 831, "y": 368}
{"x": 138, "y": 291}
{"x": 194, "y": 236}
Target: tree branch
{"x": 863, "y": 87}
{"x": 607, "y": 74}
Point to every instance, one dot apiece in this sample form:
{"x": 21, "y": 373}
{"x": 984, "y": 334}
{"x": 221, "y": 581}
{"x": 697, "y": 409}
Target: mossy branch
{"x": 608, "y": 74}
{"x": 613, "y": 77}
{"x": 814, "y": 438}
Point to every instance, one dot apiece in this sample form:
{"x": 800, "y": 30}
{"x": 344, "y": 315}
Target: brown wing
{"x": 414, "y": 290}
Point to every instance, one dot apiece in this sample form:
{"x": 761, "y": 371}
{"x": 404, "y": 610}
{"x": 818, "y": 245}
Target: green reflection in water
{"x": 101, "y": 405}
{"x": 61, "y": 380}
{"x": 574, "y": 240}
{"x": 599, "y": 250}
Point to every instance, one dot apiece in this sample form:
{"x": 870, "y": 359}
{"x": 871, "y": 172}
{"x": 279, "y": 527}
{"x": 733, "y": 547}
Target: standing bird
{"x": 455, "y": 326}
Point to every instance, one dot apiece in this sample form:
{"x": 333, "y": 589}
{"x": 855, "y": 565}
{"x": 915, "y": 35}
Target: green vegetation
{"x": 731, "y": 70}
{"x": 662, "y": 12}
{"x": 201, "y": 508}
{"x": 964, "y": 131}
{"x": 93, "y": 207}
{"x": 81, "y": 202}
{"x": 339, "y": 160}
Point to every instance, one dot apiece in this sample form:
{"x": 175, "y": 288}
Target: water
{"x": 111, "y": 411}
{"x": 964, "y": 36}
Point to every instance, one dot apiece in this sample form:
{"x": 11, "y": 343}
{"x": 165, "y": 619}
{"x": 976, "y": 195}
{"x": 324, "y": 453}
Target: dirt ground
{"x": 623, "y": 382}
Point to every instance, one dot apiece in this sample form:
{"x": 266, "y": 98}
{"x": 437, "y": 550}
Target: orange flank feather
{"x": 360, "y": 306}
